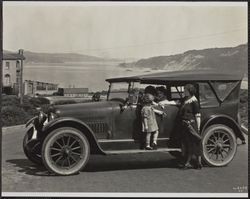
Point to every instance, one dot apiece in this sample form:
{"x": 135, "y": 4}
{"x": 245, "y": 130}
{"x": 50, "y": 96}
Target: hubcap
{"x": 66, "y": 152}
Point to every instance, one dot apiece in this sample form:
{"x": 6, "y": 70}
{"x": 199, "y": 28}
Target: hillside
{"x": 233, "y": 59}
{"x": 34, "y": 57}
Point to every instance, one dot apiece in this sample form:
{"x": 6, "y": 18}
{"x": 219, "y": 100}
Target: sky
{"x": 122, "y": 30}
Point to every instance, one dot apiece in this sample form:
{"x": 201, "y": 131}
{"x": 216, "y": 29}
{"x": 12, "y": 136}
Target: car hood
{"x": 88, "y": 110}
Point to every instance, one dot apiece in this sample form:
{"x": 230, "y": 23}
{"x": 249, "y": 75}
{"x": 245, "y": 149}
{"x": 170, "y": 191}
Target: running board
{"x": 141, "y": 151}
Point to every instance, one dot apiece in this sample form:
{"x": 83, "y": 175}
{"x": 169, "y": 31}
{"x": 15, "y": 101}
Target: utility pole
{"x": 21, "y": 77}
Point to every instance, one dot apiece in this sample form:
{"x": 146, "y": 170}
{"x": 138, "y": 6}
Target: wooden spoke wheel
{"x": 65, "y": 151}
{"x": 219, "y": 145}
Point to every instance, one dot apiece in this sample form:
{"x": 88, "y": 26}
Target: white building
{"x": 42, "y": 88}
{"x": 75, "y": 92}
{"x": 11, "y": 72}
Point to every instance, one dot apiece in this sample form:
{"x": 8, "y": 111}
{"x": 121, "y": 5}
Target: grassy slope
{"x": 219, "y": 59}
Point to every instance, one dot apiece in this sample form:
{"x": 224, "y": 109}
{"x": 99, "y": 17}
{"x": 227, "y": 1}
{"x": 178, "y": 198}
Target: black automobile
{"x": 63, "y": 139}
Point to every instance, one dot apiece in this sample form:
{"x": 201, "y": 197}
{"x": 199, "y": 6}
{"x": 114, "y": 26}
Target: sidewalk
{"x": 12, "y": 128}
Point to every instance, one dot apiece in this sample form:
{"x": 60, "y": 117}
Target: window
{"x": 18, "y": 67}
{"x": 207, "y": 96}
{"x": 140, "y": 87}
{"x": 177, "y": 92}
{"x": 52, "y": 87}
{"x": 7, "y": 65}
{"x": 7, "y": 79}
{"x": 41, "y": 86}
{"x": 223, "y": 89}
{"x": 119, "y": 91}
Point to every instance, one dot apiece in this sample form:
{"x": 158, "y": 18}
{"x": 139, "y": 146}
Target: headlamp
{"x": 42, "y": 117}
{"x": 52, "y": 116}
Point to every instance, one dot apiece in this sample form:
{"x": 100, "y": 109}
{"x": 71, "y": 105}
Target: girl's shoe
{"x": 154, "y": 146}
{"x": 148, "y": 148}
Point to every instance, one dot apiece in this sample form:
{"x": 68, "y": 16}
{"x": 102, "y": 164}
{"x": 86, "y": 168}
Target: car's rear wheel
{"x": 32, "y": 148}
{"x": 219, "y": 145}
{"x": 65, "y": 151}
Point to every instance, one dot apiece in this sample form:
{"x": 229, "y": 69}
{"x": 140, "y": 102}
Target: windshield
{"x": 118, "y": 91}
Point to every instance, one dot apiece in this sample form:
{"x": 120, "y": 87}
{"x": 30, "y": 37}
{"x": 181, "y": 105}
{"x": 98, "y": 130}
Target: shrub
{"x": 13, "y": 115}
{"x": 244, "y": 106}
{"x": 38, "y": 101}
{"x": 243, "y": 96}
{"x": 65, "y": 102}
{"x": 10, "y": 100}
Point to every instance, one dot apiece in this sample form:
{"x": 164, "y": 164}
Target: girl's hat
{"x": 148, "y": 98}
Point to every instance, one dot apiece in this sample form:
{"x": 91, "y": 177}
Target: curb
{"x": 16, "y": 126}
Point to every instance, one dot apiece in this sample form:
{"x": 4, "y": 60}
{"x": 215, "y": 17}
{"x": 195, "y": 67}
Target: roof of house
{"x": 188, "y": 75}
{"x": 75, "y": 90}
{"x": 12, "y": 56}
{"x": 33, "y": 81}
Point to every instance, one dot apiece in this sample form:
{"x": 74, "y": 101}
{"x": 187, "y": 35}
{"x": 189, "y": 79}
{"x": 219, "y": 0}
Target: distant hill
{"x": 222, "y": 59}
{"x": 34, "y": 57}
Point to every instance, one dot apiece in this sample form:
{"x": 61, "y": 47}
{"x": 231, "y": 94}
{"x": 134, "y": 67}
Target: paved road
{"x": 153, "y": 172}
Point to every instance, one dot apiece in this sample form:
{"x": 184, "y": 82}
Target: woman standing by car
{"x": 189, "y": 115}
{"x": 190, "y": 124}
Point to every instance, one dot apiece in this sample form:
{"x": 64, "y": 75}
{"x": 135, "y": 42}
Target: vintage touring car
{"x": 63, "y": 138}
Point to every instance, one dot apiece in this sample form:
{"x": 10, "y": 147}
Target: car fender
{"x": 221, "y": 119}
{"x": 75, "y": 123}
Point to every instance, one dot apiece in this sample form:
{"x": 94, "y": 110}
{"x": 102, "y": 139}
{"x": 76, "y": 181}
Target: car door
{"x": 124, "y": 122}
{"x": 127, "y": 123}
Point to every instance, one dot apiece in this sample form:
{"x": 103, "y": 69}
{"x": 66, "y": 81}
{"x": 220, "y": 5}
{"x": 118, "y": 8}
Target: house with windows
{"x": 11, "y": 65}
{"x": 33, "y": 88}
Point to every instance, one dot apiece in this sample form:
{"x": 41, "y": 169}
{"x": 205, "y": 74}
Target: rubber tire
{"x": 45, "y": 151}
{"x": 35, "y": 158}
{"x": 207, "y": 133}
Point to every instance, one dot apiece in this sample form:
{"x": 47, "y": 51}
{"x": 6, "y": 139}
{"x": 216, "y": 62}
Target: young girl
{"x": 149, "y": 124}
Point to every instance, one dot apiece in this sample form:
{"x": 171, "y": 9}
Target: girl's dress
{"x": 148, "y": 113}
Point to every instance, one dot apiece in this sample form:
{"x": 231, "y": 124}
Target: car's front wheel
{"x": 219, "y": 145}
{"x": 65, "y": 151}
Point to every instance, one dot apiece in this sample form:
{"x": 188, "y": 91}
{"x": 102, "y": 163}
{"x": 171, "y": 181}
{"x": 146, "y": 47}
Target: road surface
{"x": 137, "y": 173}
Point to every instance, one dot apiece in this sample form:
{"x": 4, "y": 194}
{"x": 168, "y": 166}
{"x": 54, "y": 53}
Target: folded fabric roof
{"x": 187, "y": 75}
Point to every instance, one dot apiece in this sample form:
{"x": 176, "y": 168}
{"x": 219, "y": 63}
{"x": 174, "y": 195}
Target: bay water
{"x": 79, "y": 75}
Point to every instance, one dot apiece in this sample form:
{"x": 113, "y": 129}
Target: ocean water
{"x": 87, "y": 74}
{"x": 90, "y": 75}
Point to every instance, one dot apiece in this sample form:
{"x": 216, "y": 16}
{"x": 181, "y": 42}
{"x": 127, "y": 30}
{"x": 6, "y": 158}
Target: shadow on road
{"x": 27, "y": 167}
{"x": 125, "y": 164}
{"x": 97, "y": 165}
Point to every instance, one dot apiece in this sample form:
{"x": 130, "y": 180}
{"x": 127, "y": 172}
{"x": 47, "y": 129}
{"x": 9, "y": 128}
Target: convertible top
{"x": 187, "y": 75}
